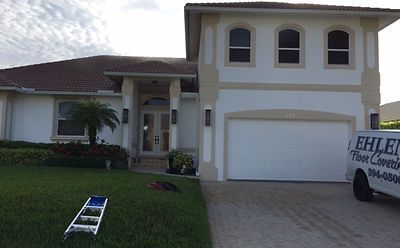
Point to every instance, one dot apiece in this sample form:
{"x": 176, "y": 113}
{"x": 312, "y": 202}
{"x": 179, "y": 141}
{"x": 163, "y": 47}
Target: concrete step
{"x": 151, "y": 162}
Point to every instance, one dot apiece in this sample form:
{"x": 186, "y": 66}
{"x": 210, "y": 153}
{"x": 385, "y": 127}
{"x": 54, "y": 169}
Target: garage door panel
{"x": 287, "y": 150}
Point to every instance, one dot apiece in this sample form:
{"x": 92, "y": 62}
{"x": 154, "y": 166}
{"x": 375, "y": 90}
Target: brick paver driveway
{"x": 275, "y": 214}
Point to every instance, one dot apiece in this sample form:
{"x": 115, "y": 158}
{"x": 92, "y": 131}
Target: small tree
{"x": 94, "y": 115}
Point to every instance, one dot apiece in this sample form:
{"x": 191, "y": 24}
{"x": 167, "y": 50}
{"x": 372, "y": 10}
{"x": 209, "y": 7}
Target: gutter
{"x": 31, "y": 91}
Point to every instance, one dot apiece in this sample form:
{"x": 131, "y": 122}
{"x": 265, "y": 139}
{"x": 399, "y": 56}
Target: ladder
{"x": 89, "y": 217}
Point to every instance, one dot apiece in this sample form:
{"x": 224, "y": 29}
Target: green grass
{"x": 38, "y": 203}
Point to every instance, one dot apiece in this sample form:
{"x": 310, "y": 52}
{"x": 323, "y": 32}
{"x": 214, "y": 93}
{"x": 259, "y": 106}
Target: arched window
{"x": 289, "y": 46}
{"x": 239, "y": 45}
{"x": 156, "y": 101}
{"x": 338, "y": 47}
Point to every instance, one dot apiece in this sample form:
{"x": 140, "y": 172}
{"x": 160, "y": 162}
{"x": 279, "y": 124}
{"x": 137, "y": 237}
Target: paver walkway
{"x": 277, "y": 214}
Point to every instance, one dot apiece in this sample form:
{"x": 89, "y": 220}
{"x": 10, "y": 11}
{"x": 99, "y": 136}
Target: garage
{"x": 287, "y": 150}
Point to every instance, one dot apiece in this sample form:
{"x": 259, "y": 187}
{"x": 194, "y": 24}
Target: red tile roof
{"x": 280, "y": 5}
{"x": 87, "y": 74}
{"x": 154, "y": 67}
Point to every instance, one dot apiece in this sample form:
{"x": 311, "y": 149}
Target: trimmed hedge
{"x": 71, "y": 154}
{"x": 24, "y": 144}
{"x": 76, "y": 149}
{"x": 390, "y": 125}
{"x": 85, "y": 162}
{"x": 24, "y": 156}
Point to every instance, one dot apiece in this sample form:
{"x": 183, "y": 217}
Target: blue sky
{"x": 36, "y": 31}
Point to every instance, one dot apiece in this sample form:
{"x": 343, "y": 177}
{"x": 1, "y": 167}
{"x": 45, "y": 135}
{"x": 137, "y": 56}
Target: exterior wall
{"x": 265, "y": 71}
{"x": 188, "y": 125}
{"x": 33, "y": 117}
{"x": 331, "y": 93}
{"x": 3, "y": 114}
{"x": 107, "y": 134}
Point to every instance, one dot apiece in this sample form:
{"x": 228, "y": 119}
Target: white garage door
{"x": 287, "y": 150}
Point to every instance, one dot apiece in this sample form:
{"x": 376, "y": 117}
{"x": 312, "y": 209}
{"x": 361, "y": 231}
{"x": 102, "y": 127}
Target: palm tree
{"x": 94, "y": 115}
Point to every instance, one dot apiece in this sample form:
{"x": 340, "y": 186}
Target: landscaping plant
{"x": 93, "y": 115}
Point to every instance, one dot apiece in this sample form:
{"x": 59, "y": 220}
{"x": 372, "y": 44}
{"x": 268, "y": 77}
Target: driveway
{"x": 277, "y": 214}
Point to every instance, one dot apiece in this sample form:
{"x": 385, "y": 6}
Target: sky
{"x": 37, "y": 31}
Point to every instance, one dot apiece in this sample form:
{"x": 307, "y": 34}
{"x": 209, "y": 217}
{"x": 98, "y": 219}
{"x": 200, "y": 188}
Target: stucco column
{"x": 208, "y": 92}
{"x": 370, "y": 78}
{"x": 127, "y": 104}
{"x": 3, "y": 114}
{"x": 4, "y": 102}
{"x": 174, "y": 96}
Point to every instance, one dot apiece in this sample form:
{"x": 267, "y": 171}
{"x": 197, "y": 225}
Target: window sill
{"x": 289, "y": 65}
{"x": 339, "y": 67}
{"x": 239, "y": 64}
{"x": 69, "y": 138}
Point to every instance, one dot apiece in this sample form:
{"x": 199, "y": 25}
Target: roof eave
{"x": 32, "y": 91}
{"x": 149, "y": 75}
{"x": 392, "y": 15}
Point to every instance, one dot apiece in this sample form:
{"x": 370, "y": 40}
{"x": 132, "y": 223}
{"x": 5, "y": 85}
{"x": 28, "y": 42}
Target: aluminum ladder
{"x": 89, "y": 217}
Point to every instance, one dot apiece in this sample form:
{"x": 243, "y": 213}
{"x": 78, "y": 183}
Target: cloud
{"x": 142, "y": 4}
{"x": 34, "y": 31}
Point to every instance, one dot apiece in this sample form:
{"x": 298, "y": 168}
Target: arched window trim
{"x": 155, "y": 97}
{"x": 252, "y": 45}
{"x": 351, "y": 50}
{"x": 301, "y": 49}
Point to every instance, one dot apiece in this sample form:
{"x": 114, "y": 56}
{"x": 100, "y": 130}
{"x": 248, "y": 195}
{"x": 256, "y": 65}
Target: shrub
{"x": 182, "y": 162}
{"x": 85, "y": 162}
{"x": 24, "y": 156}
{"x": 390, "y": 125}
{"x": 171, "y": 155}
{"x": 77, "y": 149}
{"x": 24, "y": 144}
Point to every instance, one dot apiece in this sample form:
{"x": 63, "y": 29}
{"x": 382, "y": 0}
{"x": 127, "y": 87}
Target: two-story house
{"x": 267, "y": 91}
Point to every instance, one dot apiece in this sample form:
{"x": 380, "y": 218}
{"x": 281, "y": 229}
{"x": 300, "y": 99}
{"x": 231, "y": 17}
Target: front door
{"x": 154, "y": 133}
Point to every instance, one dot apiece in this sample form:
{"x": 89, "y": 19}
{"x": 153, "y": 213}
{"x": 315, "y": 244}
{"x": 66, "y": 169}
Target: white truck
{"x": 373, "y": 163}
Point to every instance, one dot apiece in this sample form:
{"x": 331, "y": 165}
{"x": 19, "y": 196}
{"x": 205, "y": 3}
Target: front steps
{"x": 156, "y": 163}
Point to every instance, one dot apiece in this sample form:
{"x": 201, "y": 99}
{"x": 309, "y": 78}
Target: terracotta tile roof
{"x": 86, "y": 74}
{"x": 155, "y": 67}
{"x": 280, "y": 5}
{"x": 4, "y": 81}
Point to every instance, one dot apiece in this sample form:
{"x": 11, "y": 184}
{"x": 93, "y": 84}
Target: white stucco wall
{"x": 188, "y": 123}
{"x": 2, "y": 110}
{"x": 349, "y": 104}
{"x": 32, "y": 118}
{"x": 264, "y": 72}
{"x": 106, "y": 134}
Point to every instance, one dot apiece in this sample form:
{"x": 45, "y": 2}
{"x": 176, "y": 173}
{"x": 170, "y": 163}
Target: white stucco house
{"x": 267, "y": 91}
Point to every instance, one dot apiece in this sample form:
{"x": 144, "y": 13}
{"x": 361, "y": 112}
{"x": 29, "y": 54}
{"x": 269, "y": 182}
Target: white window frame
{"x": 351, "y": 50}
{"x": 301, "y": 49}
{"x": 251, "y": 48}
{"x": 56, "y": 118}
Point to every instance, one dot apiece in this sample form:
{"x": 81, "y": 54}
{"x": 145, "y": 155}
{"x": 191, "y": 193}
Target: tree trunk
{"x": 92, "y": 135}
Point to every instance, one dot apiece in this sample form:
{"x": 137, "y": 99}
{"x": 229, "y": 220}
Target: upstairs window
{"x": 338, "y": 47}
{"x": 64, "y": 127}
{"x": 289, "y": 47}
{"x": 239, "y": 45}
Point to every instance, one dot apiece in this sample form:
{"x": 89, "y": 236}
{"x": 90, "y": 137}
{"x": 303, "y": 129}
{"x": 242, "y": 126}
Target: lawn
{"x": 38, "y": 203}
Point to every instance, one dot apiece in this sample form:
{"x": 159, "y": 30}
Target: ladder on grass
{"x": 89, "y": 217}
